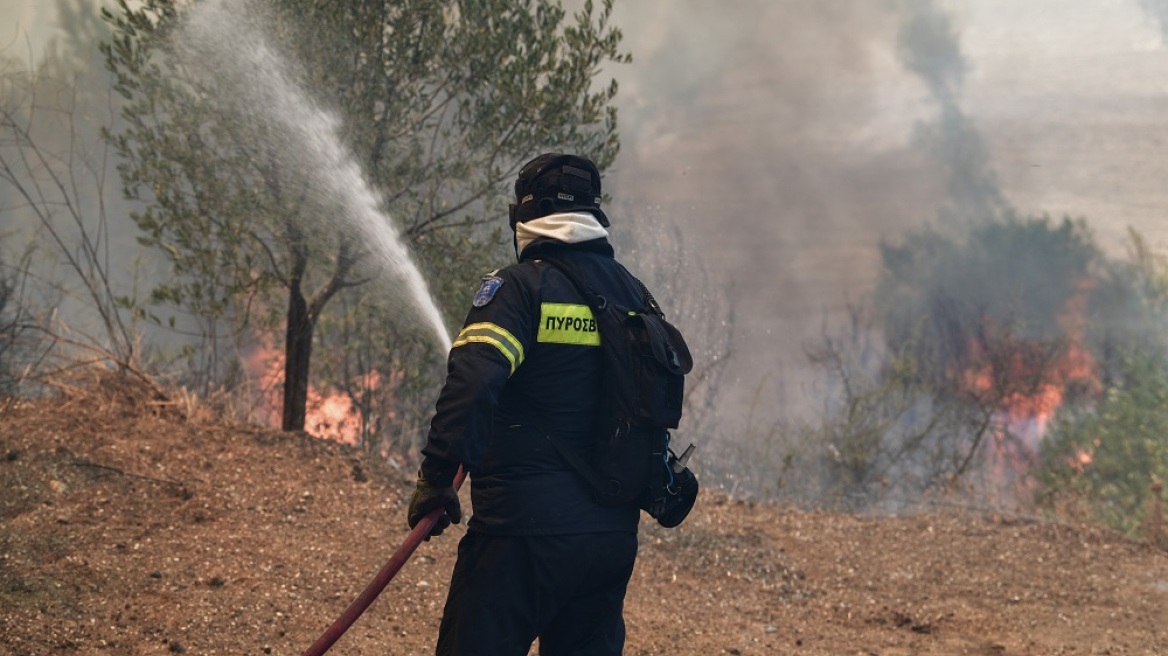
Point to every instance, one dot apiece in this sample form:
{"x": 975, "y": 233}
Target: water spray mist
{"x": 219, "y": 36}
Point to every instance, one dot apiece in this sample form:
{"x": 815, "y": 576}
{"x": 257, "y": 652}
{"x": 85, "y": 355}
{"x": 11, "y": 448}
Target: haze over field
{"x": 786, "y": 139}
{"x": 790, "y": 138}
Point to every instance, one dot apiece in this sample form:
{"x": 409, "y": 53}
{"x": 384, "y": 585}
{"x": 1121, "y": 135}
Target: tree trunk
{"x": 302, "y": 316}
{"x": 297, "y": 351}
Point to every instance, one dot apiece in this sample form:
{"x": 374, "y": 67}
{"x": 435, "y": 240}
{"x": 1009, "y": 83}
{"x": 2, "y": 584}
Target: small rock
{"x": 156, "y": 574}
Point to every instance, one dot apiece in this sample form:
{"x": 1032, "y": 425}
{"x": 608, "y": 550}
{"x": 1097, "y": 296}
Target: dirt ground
{"x": 131, "y": 525}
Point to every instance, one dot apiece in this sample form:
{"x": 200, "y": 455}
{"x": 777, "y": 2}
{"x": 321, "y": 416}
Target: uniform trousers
{"x": 567, "y": 590}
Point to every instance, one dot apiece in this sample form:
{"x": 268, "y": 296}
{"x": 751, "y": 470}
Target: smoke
{"x": 787, "y": 139}
{"x": 929, "y": 47}
{"x": 1158, "y": 10}
{"x": 60, "y": 196}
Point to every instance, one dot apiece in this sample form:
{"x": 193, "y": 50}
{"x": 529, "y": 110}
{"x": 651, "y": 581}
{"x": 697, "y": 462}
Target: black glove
{"x": 427, "y": 497}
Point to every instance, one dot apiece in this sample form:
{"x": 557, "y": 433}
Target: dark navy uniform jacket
{"x": 527, "y": 362}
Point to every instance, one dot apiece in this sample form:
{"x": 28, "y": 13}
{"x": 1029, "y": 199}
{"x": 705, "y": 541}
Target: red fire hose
{"x": 388, "y": 571}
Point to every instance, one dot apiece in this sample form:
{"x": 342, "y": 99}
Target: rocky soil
{"x": 132, "y": 524}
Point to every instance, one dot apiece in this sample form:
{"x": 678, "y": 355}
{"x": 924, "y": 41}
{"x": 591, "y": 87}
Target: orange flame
{"x": 1029, "y": 384}
{"x": 330, "y": 414}
{"x": 1081, "y": 460}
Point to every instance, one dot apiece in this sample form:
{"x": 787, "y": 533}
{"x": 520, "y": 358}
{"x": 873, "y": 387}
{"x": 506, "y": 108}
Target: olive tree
{"x": 437, "y": 101}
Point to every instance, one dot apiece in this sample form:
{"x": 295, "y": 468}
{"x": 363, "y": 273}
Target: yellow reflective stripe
{"x": 479, "y": 328}
{"x": 567, "y": 323}
{"x": 500, "y": 338}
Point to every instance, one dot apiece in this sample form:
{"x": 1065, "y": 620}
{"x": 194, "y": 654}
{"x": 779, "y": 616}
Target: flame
{"x": 1080, "y": 460}
{"x": 329, "y": 414}
{"x": 1028, "y": 382}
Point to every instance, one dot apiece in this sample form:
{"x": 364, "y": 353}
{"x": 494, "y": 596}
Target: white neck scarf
{"x": 568, "y": 227}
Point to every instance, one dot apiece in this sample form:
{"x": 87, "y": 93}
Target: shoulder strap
{"x": 597, "y": 301}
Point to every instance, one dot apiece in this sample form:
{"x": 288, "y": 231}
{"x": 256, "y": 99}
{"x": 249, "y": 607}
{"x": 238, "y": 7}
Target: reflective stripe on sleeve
{"x": 500, "y": 338}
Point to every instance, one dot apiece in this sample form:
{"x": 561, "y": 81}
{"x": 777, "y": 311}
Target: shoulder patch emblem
{"x": 486, "y": 292}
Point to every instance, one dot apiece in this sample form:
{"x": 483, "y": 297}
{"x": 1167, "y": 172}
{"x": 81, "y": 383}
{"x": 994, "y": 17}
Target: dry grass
{"x": 137, "y": 524}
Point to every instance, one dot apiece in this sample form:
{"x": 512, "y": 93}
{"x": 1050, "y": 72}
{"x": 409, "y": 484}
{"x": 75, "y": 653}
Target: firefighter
{"x": 540, "y": 558}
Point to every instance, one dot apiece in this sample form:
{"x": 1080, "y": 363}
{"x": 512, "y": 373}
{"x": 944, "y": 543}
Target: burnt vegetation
{"x": 1013, "y": 366}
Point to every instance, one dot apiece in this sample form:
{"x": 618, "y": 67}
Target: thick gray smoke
{"x": 787, "y": 138}
{"x": 930, "y": 48}
{"x": 1159, "y": 10}
{"x": 779, "y": 137}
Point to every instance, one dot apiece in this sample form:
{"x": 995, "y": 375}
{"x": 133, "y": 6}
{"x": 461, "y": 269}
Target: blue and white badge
{"x": 491, "y": 284}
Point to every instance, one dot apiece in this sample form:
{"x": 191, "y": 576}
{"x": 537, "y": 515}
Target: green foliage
{"x": 189, "y": 166}
{"x": 1106, "y": 462}
{"x": 438, "y": 101}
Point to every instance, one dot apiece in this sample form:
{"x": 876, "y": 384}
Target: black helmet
{"x": 555, "y": 182}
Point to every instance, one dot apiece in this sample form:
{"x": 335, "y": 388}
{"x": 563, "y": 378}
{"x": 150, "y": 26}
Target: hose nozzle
{"x": 678, "y": 463}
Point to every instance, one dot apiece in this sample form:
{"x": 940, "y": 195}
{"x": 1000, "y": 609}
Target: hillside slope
{"x": 127, "y": 528}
